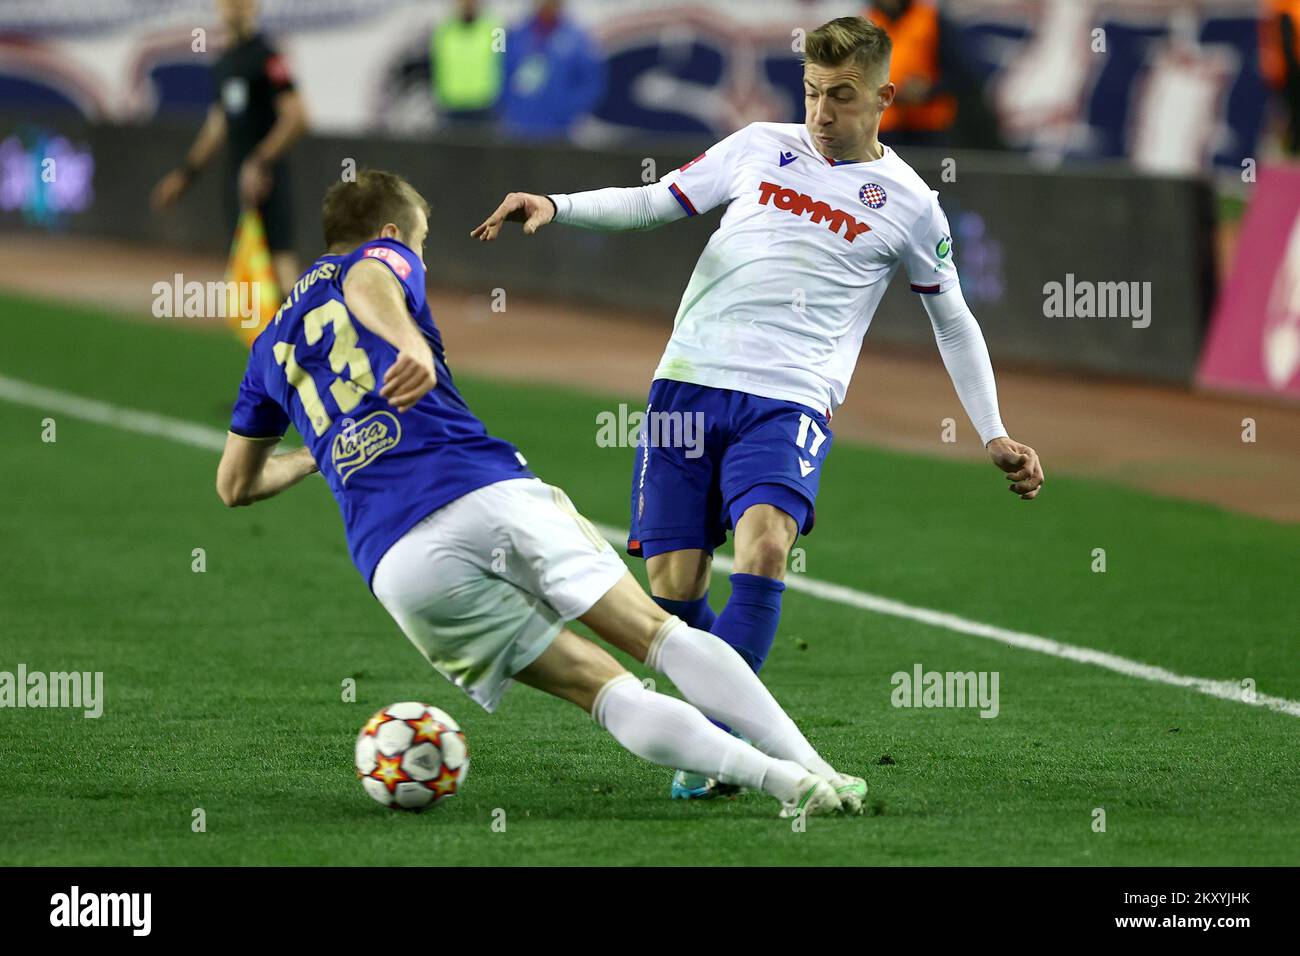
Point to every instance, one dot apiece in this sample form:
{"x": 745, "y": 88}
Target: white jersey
{"x": 787, "y": 286}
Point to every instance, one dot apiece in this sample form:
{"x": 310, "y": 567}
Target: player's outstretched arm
{"x": 249, "y": 471}
{"x": 613, "y": 209}
{"x": 706, "y": 182}
{"x": 966, "y": 357}
{"x": 372, "y": 294}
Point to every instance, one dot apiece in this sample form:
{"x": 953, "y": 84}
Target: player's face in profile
{"x": 843, "y": 108}
{"x": 239, "y": 16}
{"x": 415, "y": 241}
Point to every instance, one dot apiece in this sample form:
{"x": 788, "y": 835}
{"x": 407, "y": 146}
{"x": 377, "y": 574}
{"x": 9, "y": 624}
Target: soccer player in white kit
{"x": 819, "y": 218}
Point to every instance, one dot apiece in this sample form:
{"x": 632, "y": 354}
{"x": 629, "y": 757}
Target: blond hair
{"x": 850, "y": 38}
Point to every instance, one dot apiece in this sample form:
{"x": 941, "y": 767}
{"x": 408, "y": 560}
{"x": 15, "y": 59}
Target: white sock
{"x": 672, "y": 733}
{"x": 713, "y": 677}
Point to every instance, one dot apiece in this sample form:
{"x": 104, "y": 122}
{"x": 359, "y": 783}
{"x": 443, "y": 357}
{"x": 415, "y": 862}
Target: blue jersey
{"x": 319, "y": 368}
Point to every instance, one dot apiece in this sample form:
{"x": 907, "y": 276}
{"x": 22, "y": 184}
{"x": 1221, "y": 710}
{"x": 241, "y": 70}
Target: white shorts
{"x": 483, "y": 585}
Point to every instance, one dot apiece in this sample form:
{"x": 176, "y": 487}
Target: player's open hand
{"x": 410, "y": 378}
{"x": 533, "y": 211}
{"x": 1021, "y": 464}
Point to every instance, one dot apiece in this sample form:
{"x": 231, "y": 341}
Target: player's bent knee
{"x": 764, "y": 555}
{"x": 573, "y": 669}
{"x": 626, "y": 618}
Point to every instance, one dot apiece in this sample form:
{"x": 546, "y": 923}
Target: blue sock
{"x": 749, "y": 621}
{"x": 696, "y": 614}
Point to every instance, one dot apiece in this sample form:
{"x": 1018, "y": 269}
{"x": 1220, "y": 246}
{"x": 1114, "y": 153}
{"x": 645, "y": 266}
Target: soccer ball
{"x": 411, "y": 755}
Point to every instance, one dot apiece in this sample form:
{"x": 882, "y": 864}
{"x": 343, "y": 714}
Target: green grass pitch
{"x": 223, "y": 688}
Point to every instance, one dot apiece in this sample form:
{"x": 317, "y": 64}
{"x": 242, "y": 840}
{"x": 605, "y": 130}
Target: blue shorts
{"x": 705, "y": 454}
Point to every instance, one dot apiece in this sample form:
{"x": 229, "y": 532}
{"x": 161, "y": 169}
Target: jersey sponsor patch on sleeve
{"x": 391, "y": 256}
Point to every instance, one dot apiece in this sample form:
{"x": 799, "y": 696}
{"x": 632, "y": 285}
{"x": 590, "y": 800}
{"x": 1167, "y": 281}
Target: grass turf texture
{"x": 223, "y": 689}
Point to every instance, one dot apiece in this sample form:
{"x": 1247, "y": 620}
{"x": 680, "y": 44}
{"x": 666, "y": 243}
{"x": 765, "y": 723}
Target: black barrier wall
{"x": 1090, "y": 270}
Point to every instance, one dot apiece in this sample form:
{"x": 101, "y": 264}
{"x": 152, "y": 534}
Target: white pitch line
{"x": 210, "y": 439}
{"x": 102, "y": 413}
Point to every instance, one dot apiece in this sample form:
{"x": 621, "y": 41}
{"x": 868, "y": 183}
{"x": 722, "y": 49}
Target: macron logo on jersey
{"x": 392, "y": 257}
{"x": 798, "y": 204}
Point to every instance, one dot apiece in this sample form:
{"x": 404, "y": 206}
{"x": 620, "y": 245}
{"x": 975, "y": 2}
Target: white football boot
{"x": 852, "y": 792}
{"x": 816, "y": 797}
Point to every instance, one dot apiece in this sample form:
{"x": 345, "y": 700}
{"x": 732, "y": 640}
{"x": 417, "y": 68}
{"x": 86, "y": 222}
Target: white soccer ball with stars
{"x": 411, "y": 755}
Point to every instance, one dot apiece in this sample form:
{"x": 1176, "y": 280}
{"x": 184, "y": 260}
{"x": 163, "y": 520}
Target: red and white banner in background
{"x": 1254, "y": 340}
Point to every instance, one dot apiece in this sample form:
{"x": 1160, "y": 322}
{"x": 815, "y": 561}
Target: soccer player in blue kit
{"x": 481, "y": 563}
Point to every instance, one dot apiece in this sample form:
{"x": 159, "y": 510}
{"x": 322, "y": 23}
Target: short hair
{"x": 356, "y": 211}
{"x": 849, "y": 38}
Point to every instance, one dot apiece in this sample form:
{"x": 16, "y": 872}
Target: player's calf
{"x": 664, "y": 730}
{"x": 708, "y": 672}
{"x": 672, "y": 733}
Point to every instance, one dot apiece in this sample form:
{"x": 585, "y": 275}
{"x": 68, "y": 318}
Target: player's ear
{"x": 885, "y": 95}
{"x": 390, "y": 231}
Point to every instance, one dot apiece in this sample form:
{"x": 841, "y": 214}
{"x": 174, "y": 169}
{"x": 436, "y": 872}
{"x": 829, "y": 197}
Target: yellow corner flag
{"x": 252, "y": 296}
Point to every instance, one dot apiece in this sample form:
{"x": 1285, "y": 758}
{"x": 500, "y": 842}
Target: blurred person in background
{"x": 924, "y": 110}
{"x": 258, "y": 115}
{"x": 1280, "y": 65}
{"x": 555, "y": 75}
{"x": 466, "y": 64}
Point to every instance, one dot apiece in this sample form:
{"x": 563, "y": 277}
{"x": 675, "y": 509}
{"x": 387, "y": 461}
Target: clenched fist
{"x": 1021, "y": 464}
